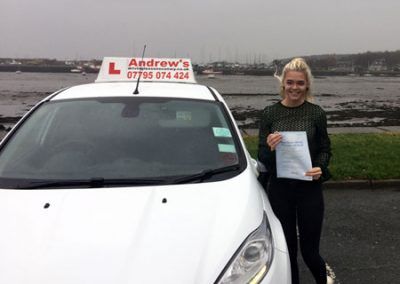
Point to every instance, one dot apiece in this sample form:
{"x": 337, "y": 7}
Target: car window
{"x": 120, "y": 138}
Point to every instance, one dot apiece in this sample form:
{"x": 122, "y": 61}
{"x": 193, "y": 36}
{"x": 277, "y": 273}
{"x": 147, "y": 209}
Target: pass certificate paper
{"x": 293, "y": 156}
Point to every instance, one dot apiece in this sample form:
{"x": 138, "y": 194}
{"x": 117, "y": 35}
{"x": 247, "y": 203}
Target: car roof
{"x": 146, "y": 89}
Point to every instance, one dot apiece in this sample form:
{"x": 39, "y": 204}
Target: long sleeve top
{"x": 307, "y": 117}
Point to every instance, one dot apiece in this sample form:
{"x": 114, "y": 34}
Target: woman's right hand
{"x": 273, "y": 140}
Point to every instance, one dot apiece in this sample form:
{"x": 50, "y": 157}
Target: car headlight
{"x": 253, "y": 259}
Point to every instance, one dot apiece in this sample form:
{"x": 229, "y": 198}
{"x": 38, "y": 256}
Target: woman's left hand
{"x": 315, "y": 173}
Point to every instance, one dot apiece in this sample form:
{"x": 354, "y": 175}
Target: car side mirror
{"x": 261, "y": 168}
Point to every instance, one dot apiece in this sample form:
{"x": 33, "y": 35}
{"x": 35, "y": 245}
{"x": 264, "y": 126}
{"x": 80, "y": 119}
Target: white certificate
{"x": 293, "y": 156}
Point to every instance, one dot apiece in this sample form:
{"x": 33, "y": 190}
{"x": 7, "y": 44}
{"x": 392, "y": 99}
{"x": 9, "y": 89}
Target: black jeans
{"x": 300, "y": 202}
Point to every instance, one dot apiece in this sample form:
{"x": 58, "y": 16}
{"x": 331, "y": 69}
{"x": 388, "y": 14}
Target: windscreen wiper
{"x": 90, "y": 183}
{"x": 204, "y": 175}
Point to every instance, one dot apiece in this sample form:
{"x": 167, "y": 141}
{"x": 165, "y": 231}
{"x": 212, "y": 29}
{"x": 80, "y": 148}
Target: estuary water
{"x": 348, "y": 101}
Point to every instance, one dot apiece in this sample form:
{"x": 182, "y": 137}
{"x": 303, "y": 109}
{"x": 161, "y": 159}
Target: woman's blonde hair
{"x": 300, "y": 65}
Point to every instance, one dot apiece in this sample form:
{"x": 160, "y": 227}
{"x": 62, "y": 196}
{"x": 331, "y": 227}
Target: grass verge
{"x": 358, "y": 156}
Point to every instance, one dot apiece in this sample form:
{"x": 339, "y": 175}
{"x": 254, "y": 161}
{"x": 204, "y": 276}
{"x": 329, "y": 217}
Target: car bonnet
{"x": 164, "y": 234}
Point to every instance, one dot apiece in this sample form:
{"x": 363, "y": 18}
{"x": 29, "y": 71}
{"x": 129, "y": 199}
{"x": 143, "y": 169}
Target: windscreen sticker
{"x": 229, "y": 158}
{"x": 226, "y": 148}
{"x": 184, "y": 115}
{"x": 221, "y": 132}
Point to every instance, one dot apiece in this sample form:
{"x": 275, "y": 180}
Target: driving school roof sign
{"x": 149, "y": 69}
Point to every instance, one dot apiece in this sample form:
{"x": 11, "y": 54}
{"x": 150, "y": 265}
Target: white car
{"x": 100, "y": 183}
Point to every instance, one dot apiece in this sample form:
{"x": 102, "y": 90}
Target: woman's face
{"x": 296, "y": 86}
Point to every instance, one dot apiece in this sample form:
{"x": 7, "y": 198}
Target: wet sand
{"x": 347, "y": 117}
{"x": 367, "y": 113}
{"x": 246, "y": 108}
{"x": 348, "y": 101}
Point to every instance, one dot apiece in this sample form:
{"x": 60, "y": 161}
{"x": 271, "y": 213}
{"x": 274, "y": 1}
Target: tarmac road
{"x": 361, "y": 236}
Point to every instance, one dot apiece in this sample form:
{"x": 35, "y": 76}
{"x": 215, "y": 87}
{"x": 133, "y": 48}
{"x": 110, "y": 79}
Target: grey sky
{"x": 203, "y": 30}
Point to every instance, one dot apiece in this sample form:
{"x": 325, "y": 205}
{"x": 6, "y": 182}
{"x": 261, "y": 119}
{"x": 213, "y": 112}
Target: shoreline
{"x": 61, "y": 68}
{"x": 249, "y": 119}
{"x": 337, "y": 118}
{"x": 346, "y": 114}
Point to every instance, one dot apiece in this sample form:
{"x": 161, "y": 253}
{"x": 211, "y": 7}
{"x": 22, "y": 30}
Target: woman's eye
{"x": 298, "y": 83}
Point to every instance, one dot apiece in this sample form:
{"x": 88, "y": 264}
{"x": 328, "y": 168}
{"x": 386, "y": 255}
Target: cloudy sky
{"x": 204, "y": 30}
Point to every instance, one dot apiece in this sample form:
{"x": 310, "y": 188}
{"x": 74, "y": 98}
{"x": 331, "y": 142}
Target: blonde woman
{"x": 298, "y": 203}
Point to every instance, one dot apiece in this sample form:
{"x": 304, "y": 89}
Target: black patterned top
{"x": 307, "y": 117}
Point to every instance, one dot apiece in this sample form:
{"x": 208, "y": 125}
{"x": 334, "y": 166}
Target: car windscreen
{"x": 121, "y": 139}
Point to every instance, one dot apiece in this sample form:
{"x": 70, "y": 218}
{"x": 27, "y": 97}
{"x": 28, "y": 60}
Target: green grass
{"x": 358, "y": 156}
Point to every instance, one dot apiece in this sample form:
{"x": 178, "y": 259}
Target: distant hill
{"x": 361, "y": 62}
